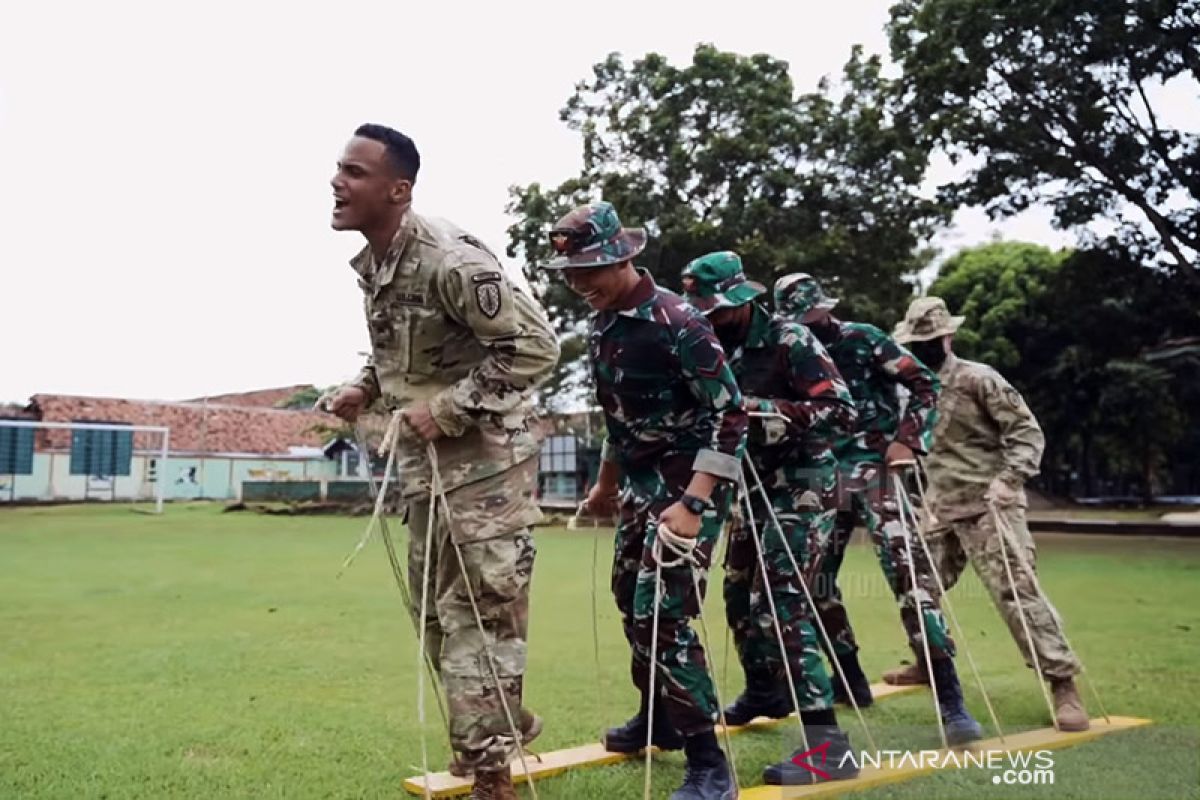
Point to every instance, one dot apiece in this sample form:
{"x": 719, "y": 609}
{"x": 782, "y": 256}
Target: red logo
{"x": 821, "y": 750}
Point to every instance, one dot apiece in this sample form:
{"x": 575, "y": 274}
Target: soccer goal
{"x": 83, "y": 461}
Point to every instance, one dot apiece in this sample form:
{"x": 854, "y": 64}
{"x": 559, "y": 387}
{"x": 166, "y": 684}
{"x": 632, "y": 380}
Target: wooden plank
{"x": 555, "y": 762}
{"x": 871, "y": 777}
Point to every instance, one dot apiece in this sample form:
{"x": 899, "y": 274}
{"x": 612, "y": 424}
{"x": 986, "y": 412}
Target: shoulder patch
{"x": 1012, "y": 397}
{"x": 486, "y": 276}
{"x": 487, "y": 297}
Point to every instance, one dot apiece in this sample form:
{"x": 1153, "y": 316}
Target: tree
{"x": 1068, "y": 329}
{"x": 1055, "y": 100}
{"x": 722, "y": 154}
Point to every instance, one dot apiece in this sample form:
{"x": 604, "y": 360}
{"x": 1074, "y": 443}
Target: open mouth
{"x": 339, "y": 203}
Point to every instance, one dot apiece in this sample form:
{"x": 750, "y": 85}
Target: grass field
{"x": 204, "y": 655}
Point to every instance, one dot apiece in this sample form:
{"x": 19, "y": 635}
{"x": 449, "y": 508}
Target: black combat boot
{"x": 828, "y": 758}
{"x": 764, "y": 697}
{"x": 961, "y": 727}
{"x": 706, "y": 775}
{"x": 860, "y": 687}
{"x": 631, "y": 737}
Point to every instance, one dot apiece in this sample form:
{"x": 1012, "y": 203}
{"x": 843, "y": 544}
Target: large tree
{"x": 1055, "y": 100}
{"x": 1070, "y": 330}
{"x": 722, "y": 153}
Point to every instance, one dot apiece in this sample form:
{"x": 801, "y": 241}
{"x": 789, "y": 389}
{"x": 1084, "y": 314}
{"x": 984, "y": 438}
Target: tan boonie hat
{"x": 926, "y": 318}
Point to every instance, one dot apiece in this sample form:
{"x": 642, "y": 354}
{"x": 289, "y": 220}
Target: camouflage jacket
{"x": 448, "y": 327}
{"x": 985, "y": 431}
{"x": 875, "y": 367}
{"x": 784, "y": 369}
{"x": 671, "y": 404}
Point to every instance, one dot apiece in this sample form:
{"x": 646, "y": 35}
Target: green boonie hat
{"x": 592, "y": 236}
{"x": 799, "y": 293}
{"x": 927, "y": 318}
{"x": 717, "y": 281}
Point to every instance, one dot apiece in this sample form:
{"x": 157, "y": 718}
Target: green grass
{"x": 201, "y": 654}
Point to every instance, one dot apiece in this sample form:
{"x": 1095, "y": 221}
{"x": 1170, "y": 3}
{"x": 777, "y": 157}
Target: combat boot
{"x": 706, "y": 775}
{"x": 860, "y": 688}
{"x": 828, "y": 754}
{"x": 493, "y": 785}
{"x": 531, "y": 726}
{"x": 1069, "y": 713}
{"x": 960, "y": 726}
{"x": 907, "y": 675}
{"x": 631, "y": 737}
{"x": 764, "y": 697}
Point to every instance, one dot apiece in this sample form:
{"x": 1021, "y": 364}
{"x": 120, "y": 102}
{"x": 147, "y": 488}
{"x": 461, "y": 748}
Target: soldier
{"x": 889, "y": 432}
{"x": 457, "y": 350}
{"x": 784, "y": 372}
{"x": 986, "y": 444}
{"x": 676, "y": 431}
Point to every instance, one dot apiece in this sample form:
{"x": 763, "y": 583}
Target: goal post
{"x": 16, "y": 455}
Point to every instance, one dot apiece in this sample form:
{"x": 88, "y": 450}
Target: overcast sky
{"x": 164, "y": 166}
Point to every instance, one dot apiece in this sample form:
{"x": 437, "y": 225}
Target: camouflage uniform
{"x": 876, "y": 369}
{"x": 447, "y": 327}
{"x": 986, "y": 431}
{"x": 784, "y": 370}
{"x": 671, "y": 407}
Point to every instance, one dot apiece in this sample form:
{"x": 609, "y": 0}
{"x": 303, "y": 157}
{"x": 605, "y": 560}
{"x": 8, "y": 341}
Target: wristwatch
{"x": 694, "y": 504}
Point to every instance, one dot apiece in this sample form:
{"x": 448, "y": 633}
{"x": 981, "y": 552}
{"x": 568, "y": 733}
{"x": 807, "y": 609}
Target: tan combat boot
{"x": 493, "y": 785}
{"x": 531, "y": 726}
{"x": 1069, "y": 713}
{"x": 907, "y": 675}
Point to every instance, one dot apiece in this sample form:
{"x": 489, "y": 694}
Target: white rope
{"x": 945, "y": 601}
{"x": 428, "y": 557}
{"x": 439, "y": 492}
{"x": 683, "y": 550}
{"x": 811, "y": 602}
{"x": 1002, "y": 535}
{"x": 762, "y": 564}
{"x": 898, "y": 488}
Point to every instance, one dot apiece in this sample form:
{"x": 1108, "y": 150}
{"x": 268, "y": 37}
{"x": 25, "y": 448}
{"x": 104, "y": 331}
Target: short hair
{"x": 401, "y": 151}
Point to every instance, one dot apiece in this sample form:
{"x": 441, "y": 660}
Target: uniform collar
{"x": 645, "y": 297}
{"x": 364, "y": 263}
{"x": 950, "y": 366}
{"x": 760, "y": 327}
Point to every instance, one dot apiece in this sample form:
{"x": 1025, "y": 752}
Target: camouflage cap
{"x": 926, "y": 318}
{"x": 799, "y": 293}
{"x": 716, "y": 280}
{"x": 592, "y": 236}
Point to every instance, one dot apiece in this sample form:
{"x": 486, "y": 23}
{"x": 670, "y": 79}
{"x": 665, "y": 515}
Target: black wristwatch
{"x": 694, "y": 504}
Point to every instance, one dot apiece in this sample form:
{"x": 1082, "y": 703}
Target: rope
{"x": 438, "y": 492}
{"x": 898, "y": 489}
{"x": 762, "y": 564}
{"x": 428, "y": 557}
{"x": 958, "y": 629}
{"x": 810, "y": 599}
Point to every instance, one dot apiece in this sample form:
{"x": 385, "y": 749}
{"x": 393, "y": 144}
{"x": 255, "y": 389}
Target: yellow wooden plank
{"x": 870, "y": 777}
{"x": 545, "y": 765}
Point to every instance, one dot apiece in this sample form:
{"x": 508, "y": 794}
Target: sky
{"x": 164, "y": 167}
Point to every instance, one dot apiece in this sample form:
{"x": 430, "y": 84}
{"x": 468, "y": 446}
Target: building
{"x": 215, "y": 444}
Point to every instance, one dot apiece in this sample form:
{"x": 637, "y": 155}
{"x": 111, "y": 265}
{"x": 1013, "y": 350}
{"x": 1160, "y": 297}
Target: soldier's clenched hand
{"x": 347, "y": 403}
{"x": 421, "y": 420}
{"x": 601, "y": 500}
{"x": 681, "y": 521}
{"x": 1002, "y": 493}
{"x": 899, "y": 454}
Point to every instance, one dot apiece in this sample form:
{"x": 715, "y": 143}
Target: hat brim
{"x": 824, "y": 305}
{"x": 904, "y": 334}
{"x": 627, "y": 244}
{"x": 736, "y": 296}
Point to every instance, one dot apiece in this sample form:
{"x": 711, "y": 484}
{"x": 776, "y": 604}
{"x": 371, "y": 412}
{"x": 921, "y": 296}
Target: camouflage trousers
{"x": 867, "y": 498}
{"x": 490, "y": 524}
{"x": 806, "y": 517}
{"x": 682, "y": 678}
{"x": 977, "y": 539}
